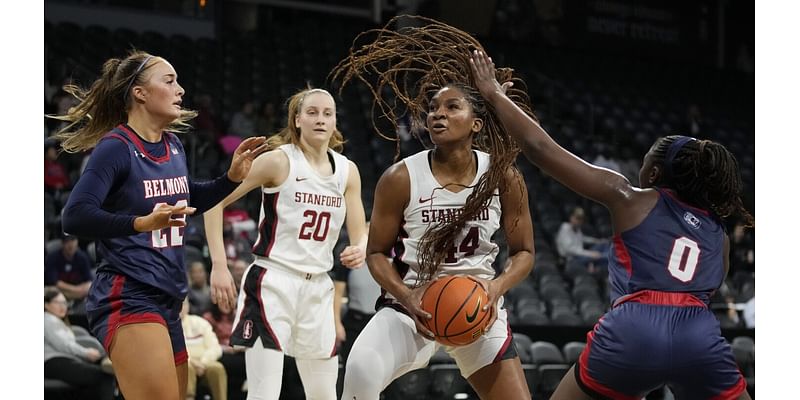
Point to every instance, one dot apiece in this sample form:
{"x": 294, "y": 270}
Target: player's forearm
{"x": 212, "y": 219}
{"x": 386, "y": 276}
{"x": 517, "y": 268}
{"x": 206, "y": 195}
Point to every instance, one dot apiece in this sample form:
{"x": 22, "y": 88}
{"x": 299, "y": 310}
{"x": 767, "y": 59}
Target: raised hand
{"x": 244, "y": 155}
{"x": 163, "y": 217}
{"x": 484, "y": 73}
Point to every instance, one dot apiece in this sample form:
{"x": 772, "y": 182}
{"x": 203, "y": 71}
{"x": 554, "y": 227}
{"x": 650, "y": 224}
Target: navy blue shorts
{"x": 654, "y": 339}
{"x": 116, "y": 300}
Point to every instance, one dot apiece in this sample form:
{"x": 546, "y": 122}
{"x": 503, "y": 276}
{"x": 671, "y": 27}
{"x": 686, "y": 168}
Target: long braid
{"x": 401, "y": 67}
{"x": 705, "y": 174}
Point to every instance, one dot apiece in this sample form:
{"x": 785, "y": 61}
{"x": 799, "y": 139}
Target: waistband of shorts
{"x": 265, "y": 263}
{"x": 677, "y": 299}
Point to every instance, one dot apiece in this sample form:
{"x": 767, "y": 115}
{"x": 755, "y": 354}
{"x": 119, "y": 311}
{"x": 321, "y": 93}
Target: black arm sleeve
{"x": 206, "y": 195}
{"x": 83, "y": 215}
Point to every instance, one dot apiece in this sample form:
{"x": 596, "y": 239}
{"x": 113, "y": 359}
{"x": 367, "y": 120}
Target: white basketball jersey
{"x": 429, "y": 205}
{"x": 301, "y": 219}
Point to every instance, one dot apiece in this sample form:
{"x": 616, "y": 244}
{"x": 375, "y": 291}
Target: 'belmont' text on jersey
{"x": 165, "y": 187}
{"x": 318, "y": 199}
{"x": 447, "y": 214}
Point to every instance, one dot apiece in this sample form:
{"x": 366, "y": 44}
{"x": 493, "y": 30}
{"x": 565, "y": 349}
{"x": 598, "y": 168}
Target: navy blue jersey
{"x": 155, "y": 258}
{"x": 676, "y": 248}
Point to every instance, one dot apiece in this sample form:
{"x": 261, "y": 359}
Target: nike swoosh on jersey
{"x": 299, "y": 179}
{"x": 421, "y": 200}
{"x": 471, "y": 318}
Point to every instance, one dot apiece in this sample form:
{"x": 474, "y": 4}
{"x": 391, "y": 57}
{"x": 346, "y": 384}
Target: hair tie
{"x": 673, "y": 150}
{"x": 133, "y": 78}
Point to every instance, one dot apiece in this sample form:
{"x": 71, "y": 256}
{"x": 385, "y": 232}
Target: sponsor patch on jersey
{"x": 690, "y": 219}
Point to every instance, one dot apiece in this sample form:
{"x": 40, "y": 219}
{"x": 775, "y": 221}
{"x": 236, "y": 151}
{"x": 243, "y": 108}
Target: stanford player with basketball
{"x": 285, "y": 304}
{"x": 670, "y": 252}
{"x": 423, "y": 191}
{"x": 133, "y": 197}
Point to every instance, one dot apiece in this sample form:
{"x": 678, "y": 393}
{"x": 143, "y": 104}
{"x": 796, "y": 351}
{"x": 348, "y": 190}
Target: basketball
{"x": 456, "y": 307}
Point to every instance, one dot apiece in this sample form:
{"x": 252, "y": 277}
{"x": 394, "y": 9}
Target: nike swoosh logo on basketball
{"x": 421, "y": 200}
{"x": 299, "y": 179}
{"x": 471, "y": 318}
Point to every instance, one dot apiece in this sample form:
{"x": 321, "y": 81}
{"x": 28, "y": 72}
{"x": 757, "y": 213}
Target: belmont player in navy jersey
{"x": 133, "y": 197}
{"x": 670, "y": 252}
{"x": 285, "y": 305}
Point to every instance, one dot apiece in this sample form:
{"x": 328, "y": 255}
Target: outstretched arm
{"x": 599, "y": 184}
{"x": 264, "y": 171}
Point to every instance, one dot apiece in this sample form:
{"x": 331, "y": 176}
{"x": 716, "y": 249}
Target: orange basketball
{"x": 456, "y": 307}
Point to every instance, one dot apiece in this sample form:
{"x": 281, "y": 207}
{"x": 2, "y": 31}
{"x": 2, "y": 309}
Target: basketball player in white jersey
{"x": 285, "y": 303}
{"x": 422, "y": 191}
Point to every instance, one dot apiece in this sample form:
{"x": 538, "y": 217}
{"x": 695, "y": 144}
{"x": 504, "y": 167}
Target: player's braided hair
{"x": 106, "y": 103}
{"x": 402, "y": 67}
{"x": 291, "y": 132}
{"x": 704, "y": 174}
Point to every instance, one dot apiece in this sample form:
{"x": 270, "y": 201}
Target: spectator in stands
{"x": 361, "y": 291}
{"x": 267, "y": 122}
{"x": 235, "y": 246}
{"x": 241, "y": 223}
{"x": 199, "y": 292}
{"x": 243, "y": 123}
{"x": 84, "y": 367}
{"x": 570, "y": 241}
{"x": 206, "y": 123}
{"x": 232, "y": 357}
{"x": 70, "y": 270}
{"x": 743, "y": 255}
{"x": 56, "y": 177}
{"x": 204, "y": 350}
{"x": 749, "y": 313}
{"x": 238, "y": 268}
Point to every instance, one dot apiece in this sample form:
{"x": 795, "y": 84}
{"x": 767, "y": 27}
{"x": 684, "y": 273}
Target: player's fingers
{"x": 179, "y": 223}
{"x": 422, "y": 330}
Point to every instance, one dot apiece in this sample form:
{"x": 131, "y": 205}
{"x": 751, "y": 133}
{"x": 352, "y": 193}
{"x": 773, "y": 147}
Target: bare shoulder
{"x": 397, "y": 174}
{"x": 638, "y": 205}
{"x": 394, "y": 184}
{"x": 272, "y": 167}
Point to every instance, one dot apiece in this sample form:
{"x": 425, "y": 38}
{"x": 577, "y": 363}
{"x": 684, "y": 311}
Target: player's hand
{"x": 493, "y": 292}
{"x": 353, "y": 257}
{"x": 412, "y": 301}
{"x": 223, "y": 289}
{"x": 163, "y": 217}
{"x": 243, "y": 157}
{"x": 484, "y": 74}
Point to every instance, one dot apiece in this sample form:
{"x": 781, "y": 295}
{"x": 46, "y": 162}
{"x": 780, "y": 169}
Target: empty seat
{"x": 545, "y": 353}
{"x": 572, "y": 351}
{"x": 412, "y": 385}
{"x": 523, "y": 344}
{"x": 446, "y": 381}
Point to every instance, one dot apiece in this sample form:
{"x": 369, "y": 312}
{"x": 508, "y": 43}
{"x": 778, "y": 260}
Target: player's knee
{"x": 364, "y": 374}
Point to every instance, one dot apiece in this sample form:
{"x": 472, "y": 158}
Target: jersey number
{"x": 467, "y": 246}
{"x": 316, "y": 227}
{"x": 169, "y": 236}
{"x": 683, "y": 259}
